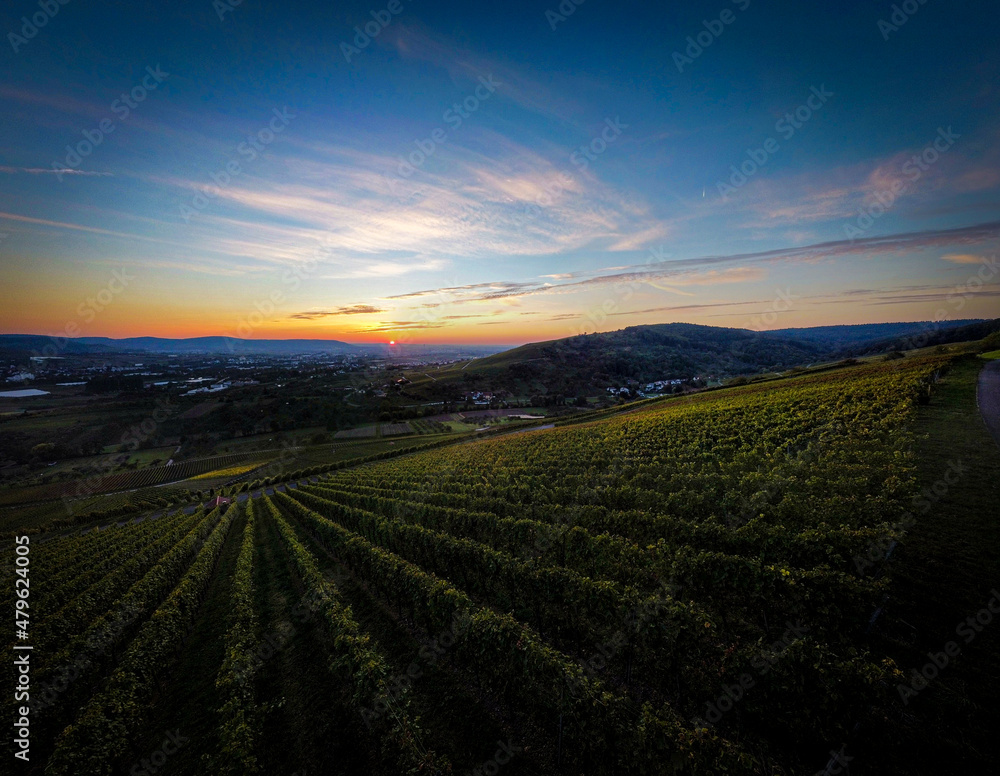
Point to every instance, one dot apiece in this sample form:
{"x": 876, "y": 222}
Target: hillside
{"x": 584, "y": 364}
{"x": 695, "y": 579}
{"x": 928, "y": 334}
{"x": 640, "y": 353}
{"x": 864, "y": 334}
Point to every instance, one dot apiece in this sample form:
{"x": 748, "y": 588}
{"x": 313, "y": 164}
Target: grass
{"x": 154, "y": 454}
{"x": 231, "y": 471}
{"x": 993, "y": 354}
{"x": 459, "y": 426}
{"x": 944, "y": 572}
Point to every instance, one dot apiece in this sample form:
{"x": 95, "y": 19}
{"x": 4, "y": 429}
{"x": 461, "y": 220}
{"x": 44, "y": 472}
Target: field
{"x": 132, "y": 480}
{"x": 85, "y": 502}
{"x": 697, "y": 586}
{"x": 227, "y": 473}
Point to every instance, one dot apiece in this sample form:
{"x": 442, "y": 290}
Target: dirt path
{"x": 988, "y": 397}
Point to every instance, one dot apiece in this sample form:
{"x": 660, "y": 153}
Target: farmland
{"x": 697, "y": 586}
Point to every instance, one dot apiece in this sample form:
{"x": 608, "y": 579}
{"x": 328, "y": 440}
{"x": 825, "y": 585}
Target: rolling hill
{"x": 683, "y": 350}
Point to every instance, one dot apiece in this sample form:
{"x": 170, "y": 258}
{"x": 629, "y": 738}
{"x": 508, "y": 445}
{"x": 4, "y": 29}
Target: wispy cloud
{"x": 385, "y": 326}
{"x": 674, "y": 308}
{"x": 963, "y": 258}
{"x": 490, "y": 290}
{"x": 80, "y": 228}
{"x": 51, "y": 171}
{"x": 468, "y": 207}
{"x": 672, "y": 275}
{"x": 839, "y": 192}
{"x": 563, "y": 317}
{"x": 942, "y": 296}
{"x": 354, "y": 309}
{"x": 903, "y": 294}
{"x": 416, "y": 43}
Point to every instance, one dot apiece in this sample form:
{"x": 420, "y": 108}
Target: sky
{"x": 445, "y": 172}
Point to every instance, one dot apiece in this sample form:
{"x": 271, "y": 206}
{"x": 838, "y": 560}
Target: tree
{"x": 990, "y": 343}
{"x": 43, "y": 450}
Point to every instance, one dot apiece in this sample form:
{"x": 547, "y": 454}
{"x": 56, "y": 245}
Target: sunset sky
{"x": 496, "y": 173}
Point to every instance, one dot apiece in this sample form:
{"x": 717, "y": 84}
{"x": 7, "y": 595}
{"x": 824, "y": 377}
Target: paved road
{"x": 988, "y": 397}
{"x": 546, "y": 427}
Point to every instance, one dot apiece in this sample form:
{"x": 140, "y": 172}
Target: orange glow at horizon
{"x": 70, "y": 305}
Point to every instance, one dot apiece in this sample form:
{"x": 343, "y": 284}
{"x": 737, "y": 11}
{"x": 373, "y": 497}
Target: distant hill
{"x": 645, "y": 354}
{"x": 39, "y": 343}
{"x": 925, "y": 335}
{"x": 642, "y": 353}
{"x": 842, "y": 337}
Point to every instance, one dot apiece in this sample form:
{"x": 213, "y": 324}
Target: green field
{"x": 591, "y": 594}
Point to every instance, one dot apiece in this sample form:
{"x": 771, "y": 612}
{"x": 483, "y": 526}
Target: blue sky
{"x": 500, "y": 174}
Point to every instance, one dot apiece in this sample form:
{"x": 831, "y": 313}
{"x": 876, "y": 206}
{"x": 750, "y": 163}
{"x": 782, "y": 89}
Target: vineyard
{"x": 131, "y": 480}
{"x": 681, "y": 589}
{"x": 81, "y": 505}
